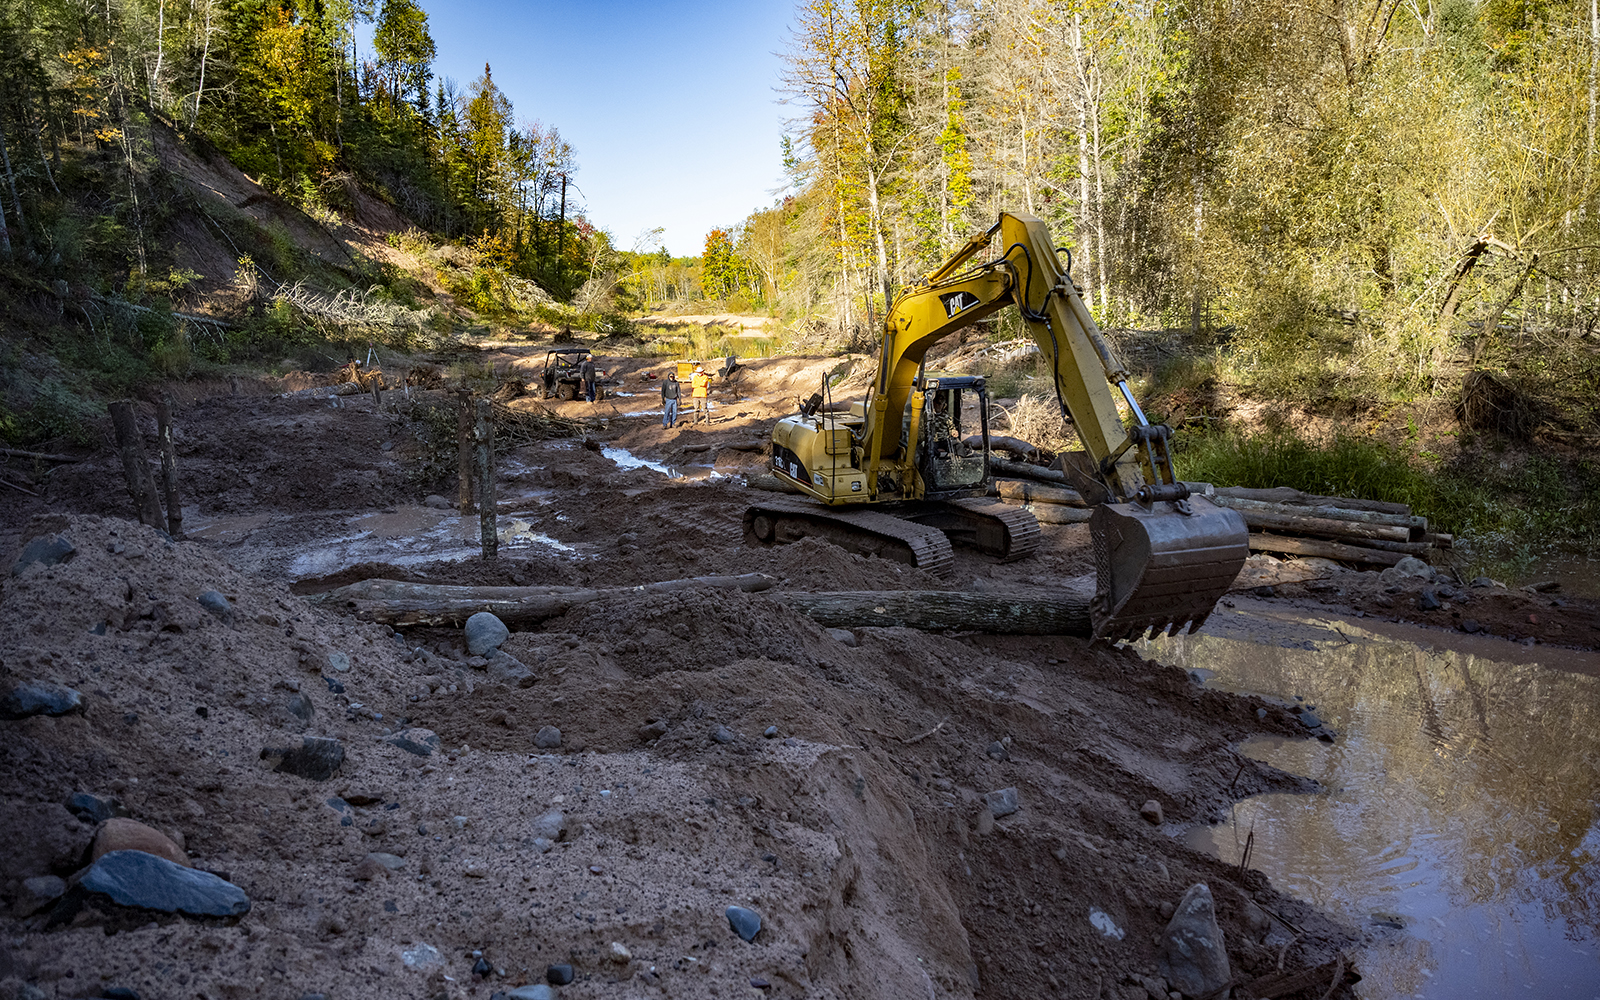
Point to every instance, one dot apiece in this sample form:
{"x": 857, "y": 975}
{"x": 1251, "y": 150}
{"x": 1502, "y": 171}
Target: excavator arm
{"x": 1163, "y": 557}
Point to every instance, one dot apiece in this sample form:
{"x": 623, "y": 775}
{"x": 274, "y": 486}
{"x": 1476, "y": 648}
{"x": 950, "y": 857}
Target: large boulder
{"x": 1192, "y": 955}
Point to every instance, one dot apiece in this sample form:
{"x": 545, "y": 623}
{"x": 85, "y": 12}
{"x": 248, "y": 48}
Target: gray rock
{"x": 1002, "y": 802}
{"x": 1192, "y": 954}
{"x": 1427, "y": 600}
{"x": 485, "y": 632}
{"x": 1470, "y": 625}
{"x": 301, "y": 708}
{"x": 39, "y": 698}
{"x": 390, "y": 861}
{"x": 137, "y": 879}
{"x": 745, "y": 923}
{"x": 1151, "y": 811}
{"x": 653, "y": 730}
{"x": 558, "y": 975}
{"x": 507, "y": 669}
{"x": 437, "y": 502}
{"x": 317, "y": 758}
{"x": 548, "y": 738}
{"x": 722, "y": 734}
{"x": 38, "y": 893}
{"x": 214, "y": 602}
{"x": 1154, "y": 987}
{"x": 543, "y": 844}
{"x": 998, "y": 751}
{"x": 1309, "y": 719}
{"x": 421, "y": 742}
{"x": 91, "y": 808}
{"x": 422, "y": 957}
{"x": 770, "y": 733}
{"x": 339, "y": 661}
{"x": 550, "y": 825}
{"x": 842, "y": 635}
{"x": 533, "y": 991}
{"x": 46, "y": 551}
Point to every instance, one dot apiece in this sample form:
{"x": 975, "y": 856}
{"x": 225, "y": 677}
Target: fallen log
{"x": 1055, "y": 513}
{"x": 1063, "y": 612}
{"x": 1261, "y": 542}
{"x": 40, "y": 455}
{"x": 1027, "y": 471}
{"x": 1323, "y": 526}
{"x": 395, "y": 603}
{"x": 1290, "y": 495}
{"x": 1415, "y": 524}
{"x": 1027, "y": 492}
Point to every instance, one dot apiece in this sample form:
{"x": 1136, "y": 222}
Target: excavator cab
{"x": 954, "y": 408}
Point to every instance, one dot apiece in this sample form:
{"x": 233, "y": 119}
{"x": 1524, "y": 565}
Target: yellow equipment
{"x": 892, "y": 477}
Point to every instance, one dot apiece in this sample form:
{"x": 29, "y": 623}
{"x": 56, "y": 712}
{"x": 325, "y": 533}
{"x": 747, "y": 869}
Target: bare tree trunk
{"x": 205, "y": 53}
{"x": 11, "y": 180}
{"x": 161, "y": 53}
{"x": 169, "y": 467}
{"x": 1594, "y": 77}
{"x": 135, "y": 466}
{"x": 464, "y": 450}
{"x": 484, "y": 432}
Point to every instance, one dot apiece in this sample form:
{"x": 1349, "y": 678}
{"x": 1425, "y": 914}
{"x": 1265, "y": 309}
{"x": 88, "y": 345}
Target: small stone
{"x": 1154, "y": 987}
{"x": 1192, "y": 954}
{"x": 1470, "y": 625}
{"x": 301, "y": 708}
{"x": 548, "y": 738}
{"x": 770, "y": 733}
{"x": 1102, "y": 922}
{"x": 37, "y": 893}
{"x": 339, "y": 661}
{"x": 1428, "y": 600}
{"x": 508, "y": 670}
{"x": 1261, "y": 713}
{"x": 437, "y": 502}
{"x": 422, "y": 957}
{"x": 550, "y": 825}
{"x": 45, "y": 551}
{"x": 484, "y": 632}
{"x": 842, "y": 635}
{"x": 533, "y": 991}
{"x": 391, "y": 862}
{"x": 560, "y": 975}
{"x": 1266, "y": 591}
{"x": 1151, "y": 811}
{"x": 145, "y": 881}
{"x": 317, "y": 758}
{"x": 1309, "y": 719}
{"x": 422, "y": 742}
{"x": 543, "y": 844}
{"x": 218, "y": 604}
{"x": 39, "y": 698}
{"x": 1002, "y": 802}
{"x": 89, "y": 808}
{"x": 620, "y": 953}
{"x": 722, "y": 734}
{"x": 122, "y": 834}
{"x": 369, "y": 870}
{"x": 481, "y": 968}
{"x": 745, "y": 923}
{"x": 998, "y": 751}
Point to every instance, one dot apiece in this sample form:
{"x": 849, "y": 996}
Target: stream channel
{"x": 1457, "y": 823}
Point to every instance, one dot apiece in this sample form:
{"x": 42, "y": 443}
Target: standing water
{"x": 1457, "y": 823}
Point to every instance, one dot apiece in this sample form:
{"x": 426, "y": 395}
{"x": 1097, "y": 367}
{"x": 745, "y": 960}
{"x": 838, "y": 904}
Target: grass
{"x": 1508, "y": 509}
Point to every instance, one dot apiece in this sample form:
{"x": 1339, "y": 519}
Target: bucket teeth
{"x": 1158, "y": 569}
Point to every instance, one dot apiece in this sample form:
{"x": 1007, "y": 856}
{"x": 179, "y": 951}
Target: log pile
{"x": 1281, "y": 520}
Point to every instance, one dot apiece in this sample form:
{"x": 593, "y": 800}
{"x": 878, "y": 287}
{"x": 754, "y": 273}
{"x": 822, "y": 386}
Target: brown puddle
{"x": 1458, "y": 826}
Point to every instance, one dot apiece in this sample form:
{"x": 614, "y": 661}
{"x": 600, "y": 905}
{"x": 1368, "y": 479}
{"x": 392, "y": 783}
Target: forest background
{"x": 1382, "y": 213}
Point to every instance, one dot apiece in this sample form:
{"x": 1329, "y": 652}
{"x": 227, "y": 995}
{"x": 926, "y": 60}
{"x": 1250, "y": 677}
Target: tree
{"x": 405, "y": 51}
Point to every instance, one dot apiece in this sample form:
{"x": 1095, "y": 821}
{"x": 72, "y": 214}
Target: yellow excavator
{"x": 898, "y": 476}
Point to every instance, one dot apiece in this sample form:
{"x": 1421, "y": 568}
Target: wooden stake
{"x": 135, "y": 466}
{"x": 169, "y": 467}
{"x": 464, "y": 449}
{"x": 484, "y": 433}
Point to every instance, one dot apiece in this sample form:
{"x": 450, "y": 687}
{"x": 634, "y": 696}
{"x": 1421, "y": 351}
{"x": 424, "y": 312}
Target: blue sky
{"x": 672, "y": 106}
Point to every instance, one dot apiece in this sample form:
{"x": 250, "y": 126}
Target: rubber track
{"x": 1022, "y": 528}
{"x": 928, "y": 546}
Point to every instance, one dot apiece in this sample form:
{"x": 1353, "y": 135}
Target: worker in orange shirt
{"x": 702, "y": 395}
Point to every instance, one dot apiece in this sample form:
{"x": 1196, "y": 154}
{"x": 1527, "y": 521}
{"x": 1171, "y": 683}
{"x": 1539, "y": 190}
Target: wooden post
{"x": 377, "y": 393}
{"x": 464, "y": 449}
{"x": 169, "y": 467}
{"x": 135, "y": 466}
{"x": 484, "y": 432}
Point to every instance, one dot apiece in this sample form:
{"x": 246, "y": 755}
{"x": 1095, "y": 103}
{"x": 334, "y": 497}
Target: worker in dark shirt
{"x": 586, "y": 372}
{"x": 669, "y": 402}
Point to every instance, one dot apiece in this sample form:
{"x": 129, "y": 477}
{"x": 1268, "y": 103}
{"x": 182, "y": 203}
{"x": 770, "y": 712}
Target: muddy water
{"x": 626, "y": 459}
{"x": 1458, "y": 826}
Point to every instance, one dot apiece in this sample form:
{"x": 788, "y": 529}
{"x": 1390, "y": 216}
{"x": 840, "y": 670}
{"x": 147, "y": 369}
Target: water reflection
{"x": 1459, "y": 824}
{"x": 626, "y": 459}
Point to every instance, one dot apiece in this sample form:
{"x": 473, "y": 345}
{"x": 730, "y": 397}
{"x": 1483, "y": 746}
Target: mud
{"x": 858, "y": 831}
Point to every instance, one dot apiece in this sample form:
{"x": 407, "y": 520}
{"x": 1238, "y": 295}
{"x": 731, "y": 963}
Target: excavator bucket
{"x": 1160, "y": 568}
